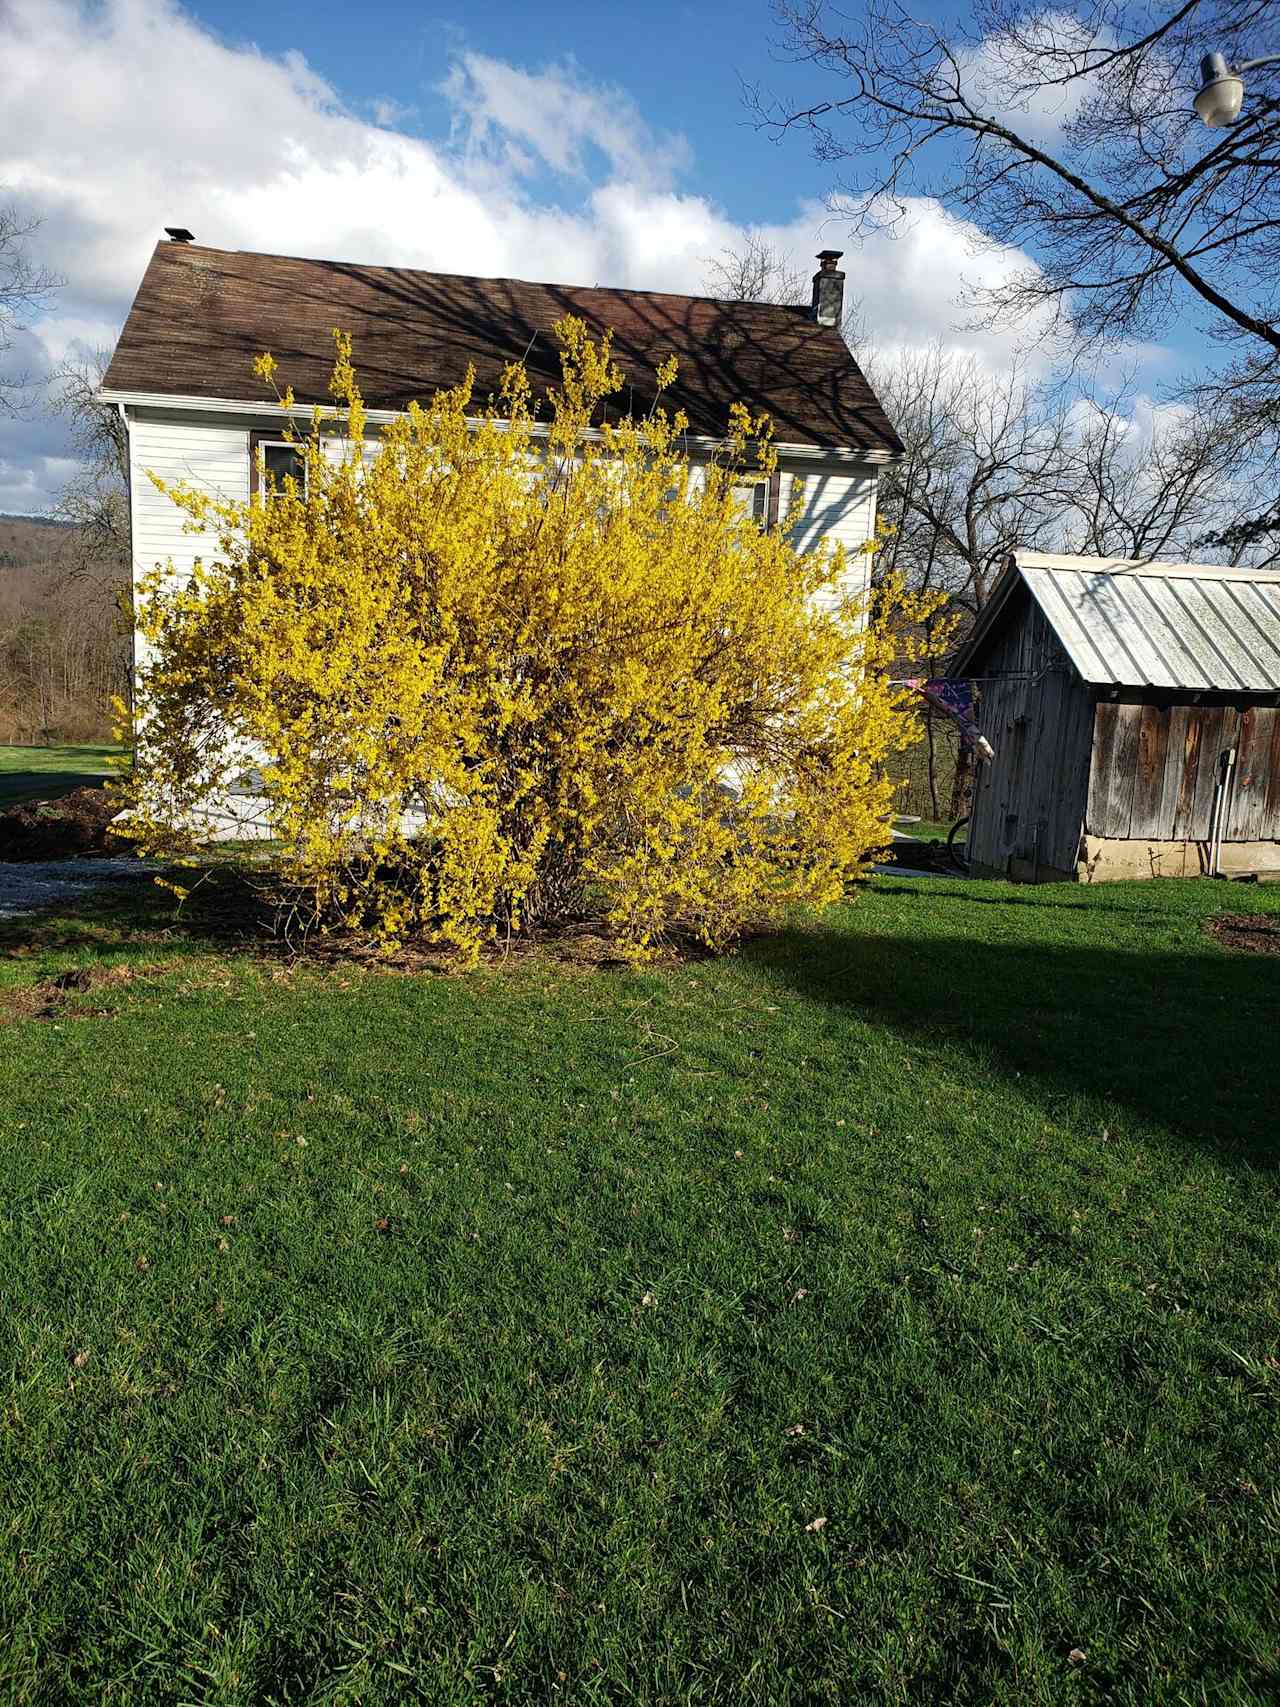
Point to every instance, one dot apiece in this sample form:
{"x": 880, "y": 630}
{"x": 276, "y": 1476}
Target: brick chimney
{"x": 828, "y": 289}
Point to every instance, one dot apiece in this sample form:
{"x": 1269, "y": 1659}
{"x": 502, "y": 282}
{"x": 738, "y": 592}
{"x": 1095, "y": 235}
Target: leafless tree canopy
{"x": 1000, "y": 461}
{"x": 1066, "y": 129}
{"x": 757, "y": 272}
{"x": 64, "y": 584}
{"x": 1131, "y": 203}
{"x": 25, "y": 286}
{"x": 96, "y": 499}
{"x": 760, "y": 271}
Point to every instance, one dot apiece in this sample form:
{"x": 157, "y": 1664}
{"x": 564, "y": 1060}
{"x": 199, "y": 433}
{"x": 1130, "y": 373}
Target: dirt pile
{"x": 75, "y": 825}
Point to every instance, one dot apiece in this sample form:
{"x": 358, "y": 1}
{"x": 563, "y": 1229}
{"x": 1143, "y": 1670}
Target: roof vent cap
{"x": 179, "y": 234}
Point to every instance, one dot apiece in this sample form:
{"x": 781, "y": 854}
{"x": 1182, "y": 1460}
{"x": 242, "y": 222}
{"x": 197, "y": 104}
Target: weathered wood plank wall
{"x": 1134, "y": 768}
{"x": 1028, "y": 806}
{"x": 1154, "y": 771}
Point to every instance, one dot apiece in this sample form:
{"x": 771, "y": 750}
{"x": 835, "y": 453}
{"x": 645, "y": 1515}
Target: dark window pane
{"x": 279, "y": 460}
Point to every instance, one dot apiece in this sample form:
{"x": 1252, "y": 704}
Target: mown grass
{"x": 886, "y": 1314}
{"x": 929, "y": 829}
{"x": 45, "y": 773}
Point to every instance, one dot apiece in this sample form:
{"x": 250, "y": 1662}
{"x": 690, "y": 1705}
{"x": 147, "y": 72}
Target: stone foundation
{"x": 1105, "y": 858}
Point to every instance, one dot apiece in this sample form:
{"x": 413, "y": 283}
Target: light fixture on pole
{"x": 1222, "y": 88}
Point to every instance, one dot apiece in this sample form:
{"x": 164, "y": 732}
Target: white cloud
{"x": 560, "y": 117}
{"x": 1140, "y": 419}
{"x": 389, "y": 112}
{"x": 1002, "y": 65}
{"x": 157, "y": 123}
{"x": 68, "y": 336}
{"x": 25, "y": 484}
{"x": 545, "y": 176}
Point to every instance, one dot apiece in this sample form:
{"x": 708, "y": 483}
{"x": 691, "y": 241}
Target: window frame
{"x": 259, "y": 439}
{"x": 773, "y": 500}
{"x": 757, "y": 511}
{"x": 765, "y": 499}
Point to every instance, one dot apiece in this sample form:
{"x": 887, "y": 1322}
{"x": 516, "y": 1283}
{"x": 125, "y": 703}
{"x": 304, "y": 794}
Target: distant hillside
{"x": 62, "y": 650}
{"x": 26, "y": 541}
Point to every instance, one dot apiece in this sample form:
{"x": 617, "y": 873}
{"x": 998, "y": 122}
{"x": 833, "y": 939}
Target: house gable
{"x": 202, "y": 315}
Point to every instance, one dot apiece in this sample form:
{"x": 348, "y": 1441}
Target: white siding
{"x": 214, "y": 458}
{"x": 214, "y": 455}
{"x": 838, "y": 507}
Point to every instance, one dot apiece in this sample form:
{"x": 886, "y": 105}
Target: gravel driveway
{"x": 32, "y": 886}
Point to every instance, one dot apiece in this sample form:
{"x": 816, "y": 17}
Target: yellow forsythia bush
{"x": 497, "y": 670}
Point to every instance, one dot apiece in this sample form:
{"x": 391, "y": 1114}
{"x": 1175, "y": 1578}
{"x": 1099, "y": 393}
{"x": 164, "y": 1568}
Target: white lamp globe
{"x": 1221, "y": 93}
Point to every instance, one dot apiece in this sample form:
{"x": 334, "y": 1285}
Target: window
{"x": 752, "y": 498}
{"x": 272, "y": 460}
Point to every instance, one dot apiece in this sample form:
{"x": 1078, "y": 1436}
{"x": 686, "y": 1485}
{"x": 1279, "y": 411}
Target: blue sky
{"x": 682, "y": 66}
{"x": 582, "y": 144}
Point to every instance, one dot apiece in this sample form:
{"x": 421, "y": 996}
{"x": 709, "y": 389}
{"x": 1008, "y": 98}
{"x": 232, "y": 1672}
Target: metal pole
{"x": 1228, "y": 778}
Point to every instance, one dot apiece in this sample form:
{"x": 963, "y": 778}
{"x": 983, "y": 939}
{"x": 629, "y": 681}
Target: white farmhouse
{"x": 182, "y": 375}
{"x": 182, "y": 372}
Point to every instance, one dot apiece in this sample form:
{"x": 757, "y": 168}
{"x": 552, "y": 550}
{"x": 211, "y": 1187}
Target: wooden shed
{"x": 1135, "y": 713}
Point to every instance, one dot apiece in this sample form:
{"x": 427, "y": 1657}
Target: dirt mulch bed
{"x": 72, "y": 826}
{"x": 1255, "y": 933}
{"x": 56, "y": 998}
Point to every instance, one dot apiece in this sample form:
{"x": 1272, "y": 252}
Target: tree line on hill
{"x": 64, "y": 578}
{"x": 63, "y": 643}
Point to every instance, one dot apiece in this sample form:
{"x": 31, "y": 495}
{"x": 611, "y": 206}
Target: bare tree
{"x": 1066, "y": 129}
{"x": 757, "y": 272}
{"x": 761, "y": 271}
{"x": 997, "y": 461}
{"x": 1151, "y": 492}
{"x": 93, "y": 591}
{"x": 983, "y": 451}
{"x": 61, "y": 653}
{"x": 1000, "y": 460}
{"x": 96, "y": 498}
{"x": 25, "y": 286}
{"x": 986, "y": 460}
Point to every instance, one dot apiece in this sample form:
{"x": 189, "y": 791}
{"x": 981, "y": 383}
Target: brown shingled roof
{"x": 201, "y": 316}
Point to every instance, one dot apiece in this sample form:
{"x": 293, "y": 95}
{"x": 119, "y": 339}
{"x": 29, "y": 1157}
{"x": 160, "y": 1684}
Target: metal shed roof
{"x": 1190, "y": 626}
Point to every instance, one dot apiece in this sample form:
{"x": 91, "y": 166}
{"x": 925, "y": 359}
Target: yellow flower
{"x": 497, "y": 665}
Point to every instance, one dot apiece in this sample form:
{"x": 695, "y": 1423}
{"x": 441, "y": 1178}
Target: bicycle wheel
{"x": 957, "y": 850}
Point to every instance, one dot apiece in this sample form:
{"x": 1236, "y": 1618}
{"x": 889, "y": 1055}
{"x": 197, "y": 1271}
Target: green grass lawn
{"x": 928, "y": 829}
{"x": 887, "y": 1314}
{"x": 44, "y": 773}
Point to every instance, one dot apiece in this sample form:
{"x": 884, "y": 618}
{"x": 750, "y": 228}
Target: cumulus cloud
{"x": 561, "y": 118}
{"x": 26, "y": 481}
{"x": 1004, "y": 75}
{"x": 543, "y": 175}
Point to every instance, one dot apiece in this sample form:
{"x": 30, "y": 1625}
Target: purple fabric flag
{"x": 955, "y": 700}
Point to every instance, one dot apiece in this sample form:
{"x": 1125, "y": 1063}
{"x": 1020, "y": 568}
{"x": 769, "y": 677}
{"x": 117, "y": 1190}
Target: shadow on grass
{"x": 1185, "y": 1040}
{"x": 223, "y": 915}
{"x": 20, "y": 788}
